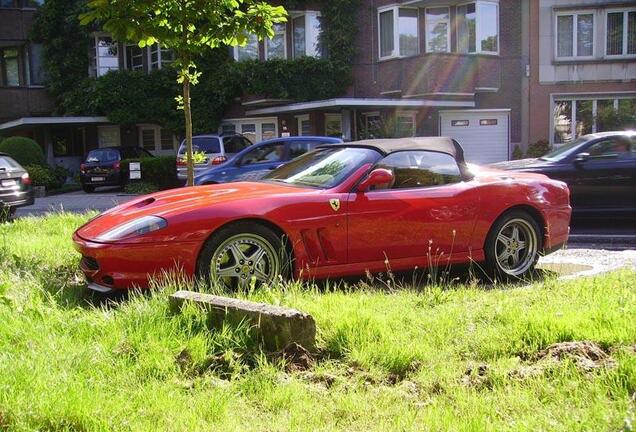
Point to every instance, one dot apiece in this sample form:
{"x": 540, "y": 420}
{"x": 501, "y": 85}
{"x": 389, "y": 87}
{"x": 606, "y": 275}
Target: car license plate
{"x": 9, "y": 183}
{"x": 98, "y": 179}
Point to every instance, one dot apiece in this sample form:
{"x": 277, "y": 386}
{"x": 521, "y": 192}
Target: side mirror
{"x": 581, "y": 157}
{"x": 378, "y": 176}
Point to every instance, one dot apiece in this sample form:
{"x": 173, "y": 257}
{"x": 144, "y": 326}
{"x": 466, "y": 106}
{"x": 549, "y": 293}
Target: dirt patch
{"x": 477, "y": 376}
{"x": 587, "y": 355}
{"x": 297, "y": 358}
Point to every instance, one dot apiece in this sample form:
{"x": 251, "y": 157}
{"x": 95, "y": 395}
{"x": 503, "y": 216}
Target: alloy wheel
{"x": 516, "y": 247}
{"x": 243, "y": 257}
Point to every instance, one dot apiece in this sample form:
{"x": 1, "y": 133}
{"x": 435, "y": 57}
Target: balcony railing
{"x": 24, "y": 102}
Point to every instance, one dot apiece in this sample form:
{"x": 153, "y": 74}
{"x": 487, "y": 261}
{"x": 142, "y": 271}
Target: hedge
{"x": 42, "y": 175}
{"x": 160, "y": 171}
{"x": 24, "y": 150}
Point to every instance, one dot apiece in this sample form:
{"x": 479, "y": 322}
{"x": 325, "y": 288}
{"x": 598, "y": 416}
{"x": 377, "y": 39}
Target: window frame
{"x": 478, "y": 50}
{"x": 412, "y": 115}
{"x": 448, "y": 29}
{"x": 624, "y": 55}
{"x": 415, "y": 188}
{"x": 574, "y": 99}
{"x": 334, "y": 117}
{"x": 160, "y": 63}
{"x": 312, "y": 38}
{"x": 395, "y": 53}
{"x": 95, "y": 36}
{"x": 236, "y": 48}
{"x": 277, "y": 32}
{"x": 140, "y": 55}
{"x": 158, "y": 148}
{"x": 20, "y": 64}
{"x": 575, "y": 27}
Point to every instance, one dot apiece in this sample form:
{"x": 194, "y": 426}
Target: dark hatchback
{"x": 600, "y": 170}
{"x": 102, "y": 166}
{"x": 15, "y": 186}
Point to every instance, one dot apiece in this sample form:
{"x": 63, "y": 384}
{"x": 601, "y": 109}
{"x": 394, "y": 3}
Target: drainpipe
{"x": 525, "y": 73}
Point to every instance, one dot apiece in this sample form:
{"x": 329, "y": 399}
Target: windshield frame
{"x": 567, "y": 149}
{"x": 372, "y": 157}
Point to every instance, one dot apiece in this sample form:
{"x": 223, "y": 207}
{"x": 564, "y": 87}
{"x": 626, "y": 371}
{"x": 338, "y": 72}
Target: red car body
{"x": 406, "y": 228}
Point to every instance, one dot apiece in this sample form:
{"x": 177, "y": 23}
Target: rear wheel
{"x": 513, "y": 245}
{"x": 88, "y": 188}
{"x": 242, "y": 252}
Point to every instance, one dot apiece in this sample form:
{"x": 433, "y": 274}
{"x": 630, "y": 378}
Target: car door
{"x": 428, "y": 211}
{"x": 605, "y": 176}
{"x": 260, "y": 160}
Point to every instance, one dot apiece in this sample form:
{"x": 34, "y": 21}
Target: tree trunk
{"x": 188, "y": 128}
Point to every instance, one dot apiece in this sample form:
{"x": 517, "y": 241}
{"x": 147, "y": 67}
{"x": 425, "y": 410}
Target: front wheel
{"x": 513, "y": 245}
{"x": 88, "y": 188}
{"x": 242, "y": 252}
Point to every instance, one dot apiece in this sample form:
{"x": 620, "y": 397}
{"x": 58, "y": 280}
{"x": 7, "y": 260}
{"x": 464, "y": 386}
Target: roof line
{"x": 33, "y": 121}
{"x": 359, "y": 102}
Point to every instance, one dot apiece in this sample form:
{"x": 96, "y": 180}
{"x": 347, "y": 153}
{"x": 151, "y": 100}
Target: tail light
{"x": 82, "y": 168}
{"x": 117, "y": 165}
{"x": 218, "y": 160}
{"x": 181, "y": 162}
{"x": 26, "y": 180}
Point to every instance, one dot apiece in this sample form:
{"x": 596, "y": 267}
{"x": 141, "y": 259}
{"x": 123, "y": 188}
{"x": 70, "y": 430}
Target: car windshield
{"x": 206, "y": 145}
{"x": 565, "y": 150}
{"x": 102, "y": 155}
{"x": 6, "y": 163}
{"x": 323, "y": 168}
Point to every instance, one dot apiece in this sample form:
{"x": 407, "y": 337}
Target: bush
{"x": 42, "y": 175}
{"x": 517, "y": 153}
{"x": 538, "y": 149}
{"x": 61, "y": 174}
{"x": 24, "y": 150}
{"x": 159, "y": 171}
{"x": 140, "y": 188}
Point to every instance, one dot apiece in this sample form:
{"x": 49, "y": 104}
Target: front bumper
{"x": 120, "y": 266}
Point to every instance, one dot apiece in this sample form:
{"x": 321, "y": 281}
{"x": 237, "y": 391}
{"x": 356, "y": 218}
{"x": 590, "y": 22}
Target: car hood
{"x": 174, "y": 202}
{"x": 520, "y": 164}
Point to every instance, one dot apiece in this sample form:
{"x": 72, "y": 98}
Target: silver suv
{"x": 210, "y": 150}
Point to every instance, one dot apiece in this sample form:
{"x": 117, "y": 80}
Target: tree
{"x": 188, "y": 28}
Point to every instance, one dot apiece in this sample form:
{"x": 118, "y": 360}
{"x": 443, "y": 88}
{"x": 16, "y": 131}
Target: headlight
{"x": 137, "y": 227}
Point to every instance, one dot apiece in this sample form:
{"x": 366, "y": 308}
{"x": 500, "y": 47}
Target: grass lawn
{"x": 414, "y": 358}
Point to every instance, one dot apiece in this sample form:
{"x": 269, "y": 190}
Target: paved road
{"x": 76, "y": 202}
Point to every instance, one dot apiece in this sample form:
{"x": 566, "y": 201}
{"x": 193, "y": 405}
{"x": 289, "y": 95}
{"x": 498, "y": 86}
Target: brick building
{"x": 491, "y": 73}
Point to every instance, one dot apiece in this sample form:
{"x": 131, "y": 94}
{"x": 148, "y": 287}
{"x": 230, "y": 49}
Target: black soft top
{"x": 392, "y": 145}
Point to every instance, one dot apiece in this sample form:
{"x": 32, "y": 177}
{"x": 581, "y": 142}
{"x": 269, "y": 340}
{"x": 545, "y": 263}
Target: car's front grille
{"x": 90, "y": 263}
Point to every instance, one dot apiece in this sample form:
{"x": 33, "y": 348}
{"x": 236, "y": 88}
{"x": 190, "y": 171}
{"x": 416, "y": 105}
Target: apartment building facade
{"x": 582, "y": 60}
{"x": 491, "y": 73}
{"x": 429, "y": 67}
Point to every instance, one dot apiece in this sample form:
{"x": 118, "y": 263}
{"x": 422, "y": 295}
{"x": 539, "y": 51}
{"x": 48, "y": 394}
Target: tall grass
{"x": 390, "y": 358}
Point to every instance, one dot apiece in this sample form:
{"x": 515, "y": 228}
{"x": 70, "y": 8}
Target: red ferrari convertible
{"x": 340, "y": 210}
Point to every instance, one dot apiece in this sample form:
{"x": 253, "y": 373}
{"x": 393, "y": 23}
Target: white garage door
{"x": 483, "y": 134}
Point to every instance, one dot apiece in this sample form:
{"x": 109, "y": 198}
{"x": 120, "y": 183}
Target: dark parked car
{"x": 15, "y": 186}
{"x": 102, "y": 166}
{"x": 600, "y": 170}
{"x": 259, "y": 159}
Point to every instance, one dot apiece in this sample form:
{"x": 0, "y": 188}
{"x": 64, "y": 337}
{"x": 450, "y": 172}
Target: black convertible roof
{"x": 392, "y": 145}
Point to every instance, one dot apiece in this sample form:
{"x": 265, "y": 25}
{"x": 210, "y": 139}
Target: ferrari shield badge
{"x": 335, "y": 204}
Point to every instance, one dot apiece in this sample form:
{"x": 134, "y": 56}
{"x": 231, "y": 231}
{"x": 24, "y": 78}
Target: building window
{"x": 8, "y": 4}
{"x": 478, "y": 28}
{"x": 577, "y": 116}
{"x": 333, "y": 125}
{"x": 103, "y": 55}
{"x": 157, "y": 140}
{"x": 372, "y": 125}
{"x": 268, "y": 131}
{"x": 306, "y": 34}
{"x": 10, "y": 58}
{"x": 621, "y": 33}
{"x": 405, "y": 124}
{"x": 159, "y": 57}
{"x": 228, "y": 129}
{"x": 254, "y": 129}
{"x": 37, "y": 73}
{"x": 575, "y": 35}
{"x": 438, "y": 29}
{"x": 133, "y": 57}
{"x": 276, "y": 46}
{"x": 249, "y": 51}
{"x": 304, "y": 125}
{"x": 398, "y": 29}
